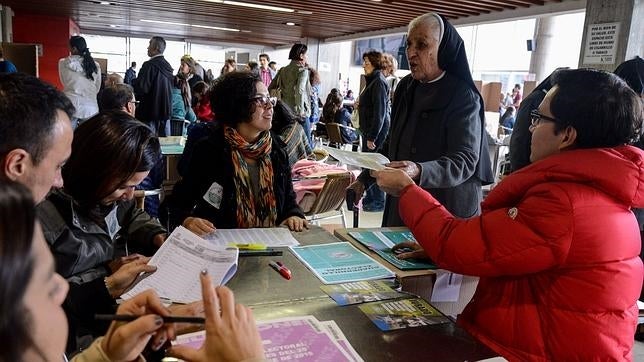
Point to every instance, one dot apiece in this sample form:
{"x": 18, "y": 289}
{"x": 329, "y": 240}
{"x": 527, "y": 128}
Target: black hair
{"x": 28, "y": 114}
{"x": 282, "y": 116}
{"x": 17, "y": 223}
{"x": 108, "y": 149}
{"x": 115, "y": 97}
{"x": 375, "y": 58}
{"x": 268, "y": 59}
{"x": 269, "y": 64}
{"x": 89, "y": 66}
{"x": 632, "y": 71}
{"x": 296, "y": 51}
{"x": 133, "y": 64}
{"x": 601, "y": 107}
{"x": 230, "y": 98}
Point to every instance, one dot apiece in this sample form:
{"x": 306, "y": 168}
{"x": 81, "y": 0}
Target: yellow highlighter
{"x": 249, "y": 246}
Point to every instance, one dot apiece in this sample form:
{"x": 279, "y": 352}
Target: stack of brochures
{"x": 294, "y": 339}
{"x": 381, "y": 241}
{"x": 179, "y": 261}
{"x": 403, "y": 313}
{"x": 340, "y": 263}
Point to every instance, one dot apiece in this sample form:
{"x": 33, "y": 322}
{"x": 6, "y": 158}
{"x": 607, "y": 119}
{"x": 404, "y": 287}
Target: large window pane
{"x": 209, "y": 56}
{"x": 112, "y": 48}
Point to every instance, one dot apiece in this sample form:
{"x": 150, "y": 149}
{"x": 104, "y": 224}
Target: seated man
{"x": 119, "y": 97}
{"x": 556, "y": 246}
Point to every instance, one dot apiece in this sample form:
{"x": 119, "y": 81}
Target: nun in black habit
{"x": 438, "y": 127}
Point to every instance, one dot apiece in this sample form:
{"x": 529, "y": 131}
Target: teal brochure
{"x": 380, "y": 242}
{"x": 340, "y": 263}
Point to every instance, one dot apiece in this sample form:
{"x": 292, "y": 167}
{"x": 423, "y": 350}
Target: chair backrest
{"x": 139, "y": 196}
{"x": 333, "y": 193}
{"x": 335, "y": 133}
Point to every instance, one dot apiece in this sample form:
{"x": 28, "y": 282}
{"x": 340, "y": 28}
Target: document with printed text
{"x": 370, "y": 160}
{"x": 269, "y": 237}
{"x": 179, "y": 261}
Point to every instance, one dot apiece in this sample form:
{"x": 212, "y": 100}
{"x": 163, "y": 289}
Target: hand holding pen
{"x": 126, "y": 341}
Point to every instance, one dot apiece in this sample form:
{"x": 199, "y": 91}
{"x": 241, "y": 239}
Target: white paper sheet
{"x": 447, "y": 287}
{"x": 369, "y": 160}
{"x": 180, "y": 260}
{"x": 265, "y": 236}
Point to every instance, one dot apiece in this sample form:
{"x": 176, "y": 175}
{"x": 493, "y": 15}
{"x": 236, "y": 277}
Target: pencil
{"x": 130, "y": 317}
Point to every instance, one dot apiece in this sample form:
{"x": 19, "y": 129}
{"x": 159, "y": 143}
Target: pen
{"x": 130, "y": 317}
{"x": 267, "y": 252}
{"x": 280, "y": 268}
{"x": 250, "y": 246}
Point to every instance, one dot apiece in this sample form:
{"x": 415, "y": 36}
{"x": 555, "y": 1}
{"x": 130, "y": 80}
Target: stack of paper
{"x": 179, "y": 261}
{"x": 295, "y": 339}
{"x": 340, "y": 262}
{"x": 269, "y": 237}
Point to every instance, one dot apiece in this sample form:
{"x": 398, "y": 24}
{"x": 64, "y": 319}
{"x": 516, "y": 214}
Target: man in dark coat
{"x": 153, "y": 88}
{"x": 438, "y": 126}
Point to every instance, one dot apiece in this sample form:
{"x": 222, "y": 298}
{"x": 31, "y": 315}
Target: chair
{"x": 334, "y": 131}
{"x": 330, "y": 198}
{"x": 140, "y": 195}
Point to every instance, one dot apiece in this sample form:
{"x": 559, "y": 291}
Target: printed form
{"x": 179, "y": 261}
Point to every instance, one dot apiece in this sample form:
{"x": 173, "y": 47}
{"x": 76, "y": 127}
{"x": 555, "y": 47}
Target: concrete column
{"x": 629, "y": 14}
{"x": 6, "y": 24}
{"x": 541, "y": 48}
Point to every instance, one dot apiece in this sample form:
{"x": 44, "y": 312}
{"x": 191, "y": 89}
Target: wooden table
{"x": 270, "y": 296}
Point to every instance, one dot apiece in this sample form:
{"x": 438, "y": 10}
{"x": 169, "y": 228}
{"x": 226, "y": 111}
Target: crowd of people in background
{"x": 72, "y": 160}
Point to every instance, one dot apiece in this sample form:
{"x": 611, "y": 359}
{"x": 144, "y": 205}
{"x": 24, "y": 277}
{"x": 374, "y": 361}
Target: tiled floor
{"x": 374, "y": 219}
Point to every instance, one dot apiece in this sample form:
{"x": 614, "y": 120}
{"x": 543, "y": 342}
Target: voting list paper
{"x": 370, "y": 160}
{"x": 265, "y": 236}
{"x": 179, "y": 261}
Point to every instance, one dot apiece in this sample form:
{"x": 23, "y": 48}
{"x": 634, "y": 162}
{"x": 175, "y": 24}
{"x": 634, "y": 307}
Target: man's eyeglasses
{"x": 536, "y": 118}
{"x": 135, "y": 102}
{"x": 264, "y": 101}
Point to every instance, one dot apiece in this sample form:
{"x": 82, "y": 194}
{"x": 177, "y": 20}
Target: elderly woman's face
{"x": 422, "y": 53}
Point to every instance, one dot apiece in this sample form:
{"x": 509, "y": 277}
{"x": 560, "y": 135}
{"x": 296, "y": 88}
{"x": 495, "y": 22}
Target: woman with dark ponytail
{"x": 81, "y": 79}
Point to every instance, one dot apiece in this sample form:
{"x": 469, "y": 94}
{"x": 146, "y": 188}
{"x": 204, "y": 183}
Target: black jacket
{"x": 211, "y": 162}
{"x": 373, "y": 105}
{"x": 153, "y": 88}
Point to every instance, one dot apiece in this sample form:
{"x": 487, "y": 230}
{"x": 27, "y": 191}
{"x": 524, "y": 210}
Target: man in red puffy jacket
{"x": 556, "y": 246}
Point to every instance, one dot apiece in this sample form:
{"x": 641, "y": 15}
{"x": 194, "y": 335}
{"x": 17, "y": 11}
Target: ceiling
{"x": 321, "y": 19}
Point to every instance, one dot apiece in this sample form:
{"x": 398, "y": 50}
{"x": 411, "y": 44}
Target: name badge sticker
{"x": 214, "y": 195}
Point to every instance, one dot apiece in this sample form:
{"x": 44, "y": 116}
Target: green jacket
{"x": 294, "y": 88}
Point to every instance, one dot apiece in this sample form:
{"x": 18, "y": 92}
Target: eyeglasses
{"x": 135, "y": 102}
{"x": 536, "y": 118}
{"x": 264, "y": 101}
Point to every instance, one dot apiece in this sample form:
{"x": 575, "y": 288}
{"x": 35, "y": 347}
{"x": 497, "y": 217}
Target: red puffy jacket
{"x": 557, "y": 249}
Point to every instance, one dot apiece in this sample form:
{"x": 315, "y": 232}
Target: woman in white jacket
{"x": 81, "y": 78}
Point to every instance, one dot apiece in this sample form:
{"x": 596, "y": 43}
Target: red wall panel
{"x": 53, "y": 32}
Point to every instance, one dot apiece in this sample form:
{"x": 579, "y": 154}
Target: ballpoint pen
{"x": 130, "y": 317}
{"x": 280, "y": 268}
